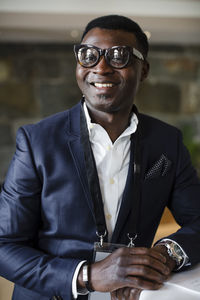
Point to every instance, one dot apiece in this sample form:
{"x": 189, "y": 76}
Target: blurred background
{"x": 37, "y": 67}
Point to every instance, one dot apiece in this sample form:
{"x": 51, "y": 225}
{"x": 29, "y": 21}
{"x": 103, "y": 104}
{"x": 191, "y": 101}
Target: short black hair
{"x": 117, "y": 22}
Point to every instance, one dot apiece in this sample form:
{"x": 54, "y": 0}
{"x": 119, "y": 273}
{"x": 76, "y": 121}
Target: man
{"x": 99, "y": 171}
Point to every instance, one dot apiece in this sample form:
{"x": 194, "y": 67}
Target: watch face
{"x": 176, "y": 253}
{"x": 177, "y": 250}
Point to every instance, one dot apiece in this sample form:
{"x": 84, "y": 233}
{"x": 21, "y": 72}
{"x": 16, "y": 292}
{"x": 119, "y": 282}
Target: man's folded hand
{"x": 135, "y": 268}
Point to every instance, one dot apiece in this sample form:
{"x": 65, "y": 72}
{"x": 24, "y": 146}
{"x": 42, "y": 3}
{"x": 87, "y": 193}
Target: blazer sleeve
{"x": 185, "y": 204}
{"x": 20, "y": 260}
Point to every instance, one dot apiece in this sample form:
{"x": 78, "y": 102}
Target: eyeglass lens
{"x": 88, "y": 57}
{"x": 116, "y": 57}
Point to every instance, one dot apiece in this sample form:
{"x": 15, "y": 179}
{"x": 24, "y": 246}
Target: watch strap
{"x": 86, "y": 273}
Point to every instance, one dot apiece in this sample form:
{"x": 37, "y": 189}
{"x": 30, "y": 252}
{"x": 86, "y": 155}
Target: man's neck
{"x": 114, "y": 123}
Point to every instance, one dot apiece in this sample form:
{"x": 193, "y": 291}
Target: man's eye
{"x": 116, "y": 53}
{"x": 90, "y": 57}
{"x": 117, "y": 58}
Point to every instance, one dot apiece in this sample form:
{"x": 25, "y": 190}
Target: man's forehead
{"x": 99, "y": 36}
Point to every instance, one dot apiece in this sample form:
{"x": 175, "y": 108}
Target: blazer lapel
{"x": 75, "y": 147}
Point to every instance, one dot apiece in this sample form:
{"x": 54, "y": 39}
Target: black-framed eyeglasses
{"x": 117, "y": 57}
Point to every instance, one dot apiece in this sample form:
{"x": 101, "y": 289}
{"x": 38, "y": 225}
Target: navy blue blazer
{"x": 47, "y": 223}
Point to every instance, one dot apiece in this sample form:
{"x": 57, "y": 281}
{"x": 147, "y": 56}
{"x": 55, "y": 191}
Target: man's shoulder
{"x": 151, "y": 124}
{"x": 54, "y": 122}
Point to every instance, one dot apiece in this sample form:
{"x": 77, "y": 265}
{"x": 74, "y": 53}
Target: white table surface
{"x": 181, "y": 286}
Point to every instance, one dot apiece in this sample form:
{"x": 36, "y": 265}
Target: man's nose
{"x": 103, "y": 67}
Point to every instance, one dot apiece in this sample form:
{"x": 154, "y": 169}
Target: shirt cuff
{"x": 186, "y": 261}
{"x": 75, "y": 291}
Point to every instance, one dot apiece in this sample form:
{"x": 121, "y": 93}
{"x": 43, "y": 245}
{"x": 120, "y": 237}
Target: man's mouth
{"x": 103, "y": 84}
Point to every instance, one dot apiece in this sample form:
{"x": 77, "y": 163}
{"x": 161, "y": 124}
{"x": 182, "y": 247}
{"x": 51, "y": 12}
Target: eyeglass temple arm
{"x": 138, "y": 54}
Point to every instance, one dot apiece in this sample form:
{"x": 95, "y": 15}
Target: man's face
{"x": 106, "y": 88}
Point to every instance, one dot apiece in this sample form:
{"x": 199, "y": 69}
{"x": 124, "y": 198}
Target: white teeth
{"x": 102, "y": 85}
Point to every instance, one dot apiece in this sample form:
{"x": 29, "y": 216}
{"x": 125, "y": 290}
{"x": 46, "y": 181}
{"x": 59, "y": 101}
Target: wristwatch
{"x": 86, "y": 269}
{"x": 174, "y": 252}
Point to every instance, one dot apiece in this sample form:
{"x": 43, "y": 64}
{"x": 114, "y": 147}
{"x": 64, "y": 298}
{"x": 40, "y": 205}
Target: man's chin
{"x": 104, "y": 97}
{"x": 103, "y": 102}
{"x": 107, "y": 107}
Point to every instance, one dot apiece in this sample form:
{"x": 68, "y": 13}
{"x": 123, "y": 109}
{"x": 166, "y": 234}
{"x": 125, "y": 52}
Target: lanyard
{"x": 93, "y": 179}
{"x": 94, "y": 187}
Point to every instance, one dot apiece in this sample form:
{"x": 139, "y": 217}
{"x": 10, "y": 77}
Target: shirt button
{"x": 108, "y": 148}
{"x": 108, "y": 216}
{"x": 112, "y": 181}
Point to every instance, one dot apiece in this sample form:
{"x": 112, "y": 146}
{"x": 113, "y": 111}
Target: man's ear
{"x": 145, "y": 70}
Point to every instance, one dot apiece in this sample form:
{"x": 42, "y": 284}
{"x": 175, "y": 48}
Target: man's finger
{"x": 146, "y": 260}
{"x": 142, "y": 284}
{"x": 146, "y": 273}
{"x": 150, "y": 252}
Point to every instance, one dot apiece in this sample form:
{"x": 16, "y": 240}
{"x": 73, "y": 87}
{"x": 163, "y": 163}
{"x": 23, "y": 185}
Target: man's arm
{"x": 20, "y": 215}
{"x": 185, "y": 205}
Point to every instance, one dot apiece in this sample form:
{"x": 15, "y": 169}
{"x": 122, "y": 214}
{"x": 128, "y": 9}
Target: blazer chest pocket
{"x": 159, "y": 169}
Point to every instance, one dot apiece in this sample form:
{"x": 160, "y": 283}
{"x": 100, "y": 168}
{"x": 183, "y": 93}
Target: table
{"x": 181, "y": 285}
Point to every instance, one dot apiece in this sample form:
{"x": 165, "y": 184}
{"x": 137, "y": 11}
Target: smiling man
{"x": 87, "y": 187}
{"x": 110, "y": 83}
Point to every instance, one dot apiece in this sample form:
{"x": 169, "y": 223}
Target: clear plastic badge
{"x": 102, "y": 251}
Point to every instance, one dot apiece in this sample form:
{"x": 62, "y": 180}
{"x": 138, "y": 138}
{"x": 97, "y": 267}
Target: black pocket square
{"x": 160, "y": 168}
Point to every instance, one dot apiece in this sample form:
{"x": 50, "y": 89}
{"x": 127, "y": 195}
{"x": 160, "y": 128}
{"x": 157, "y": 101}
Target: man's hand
{"x": 133, "y": 293}
{"x": 136, "y": 268}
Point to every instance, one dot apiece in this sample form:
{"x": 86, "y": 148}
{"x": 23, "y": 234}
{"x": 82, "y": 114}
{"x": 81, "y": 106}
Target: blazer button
{"x": 57, "y": 298}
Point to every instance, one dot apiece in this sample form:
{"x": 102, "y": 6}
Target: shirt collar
{"x": 128, "y": 131}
